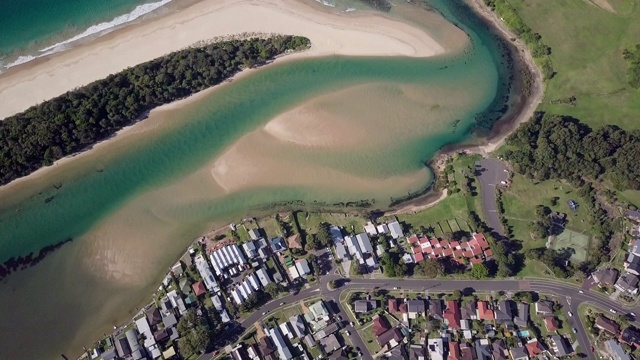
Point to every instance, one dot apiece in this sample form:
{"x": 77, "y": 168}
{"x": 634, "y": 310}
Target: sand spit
{"x": 344, "y": 34}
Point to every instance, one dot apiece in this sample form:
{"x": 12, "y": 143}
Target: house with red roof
{"x": 454, "y": 351}
{"x": 551, "y": 324}
{"x": 393, "y": 306}
{"x": 476, "y": 250}
{"x": 534, "y": 347}
{"x": 451, "y": 315}
{"x": 199, "y": 288}
{"x": 380, "y": 326}
{"x": 484, "y": 311}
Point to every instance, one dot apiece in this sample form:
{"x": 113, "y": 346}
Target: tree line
{"x": 77, "y": 119}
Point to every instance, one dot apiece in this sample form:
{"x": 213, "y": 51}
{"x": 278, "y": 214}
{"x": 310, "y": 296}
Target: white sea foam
{"x": 97, "y": 29}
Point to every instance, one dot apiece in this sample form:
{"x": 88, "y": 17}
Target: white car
{"x": 581, "y": 292}
{"x": 570, "y": 314}
{"x": 613, "y": 311}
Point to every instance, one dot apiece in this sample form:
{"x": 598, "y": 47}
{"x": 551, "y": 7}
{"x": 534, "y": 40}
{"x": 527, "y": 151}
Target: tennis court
{"x": 572, "y": 240}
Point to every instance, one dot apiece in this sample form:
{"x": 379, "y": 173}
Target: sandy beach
{"x": 330, "y": 33}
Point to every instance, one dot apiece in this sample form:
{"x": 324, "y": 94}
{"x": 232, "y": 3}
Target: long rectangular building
{"x": 207, "y": 275}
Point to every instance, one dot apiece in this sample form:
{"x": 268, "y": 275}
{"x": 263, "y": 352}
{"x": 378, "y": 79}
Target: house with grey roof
{"x": 364, "y": 243}
{"x": 395, "y": 230}
{"x": 522, "y": 319}
{"x": 299, "y": 329}
{"x": 364, "y": 306}
{"x": 330, "y": 329}
{"x": 616, "y": 351}
{"x": 607, "y": 277}
{"x": 250, "y": 249}
{"x": 504, "y": 312}
{"x": 415, "y": 308}
{"x": 519, "y": 353}
{"x": 341, "y": 252}
{"x": 330, "y": 344}
{"x": 255, "y": 234}
{"x": 627, "y": 283}
{"x": 500, "y": 350}
{"x": 277, "y": 244}
{"x": 483, "y": 349}
{"x": 436, "y": 309}
{"x": 303, "y": 267}
{"x": 544, "y": 307}
{"x": 263, "y": 276}
{"x": 560, "y": 346}
{"x": 468, "y": 311}
{"x": 110, "y": 354}
{"x": 137, "y": 352}
{"x": 280, "y": 344}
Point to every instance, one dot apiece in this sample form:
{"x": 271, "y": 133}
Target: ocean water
{"x": 133, "y": 207}
{"x": 32, "y": 28}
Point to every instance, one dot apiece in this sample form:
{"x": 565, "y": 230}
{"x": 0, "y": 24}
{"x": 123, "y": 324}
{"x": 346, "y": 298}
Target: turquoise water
{"x": 28, "y": 26}
{"x": 214, "y": 123}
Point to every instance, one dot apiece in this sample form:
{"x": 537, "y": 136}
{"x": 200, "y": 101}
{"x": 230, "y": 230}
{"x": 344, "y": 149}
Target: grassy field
{"x": 572, "y": 240}
{"x": 586, "y": 51}
{"x": 522, "y": 197}
{"x": 311, "y": 221}
{"x": 631, "y": 196}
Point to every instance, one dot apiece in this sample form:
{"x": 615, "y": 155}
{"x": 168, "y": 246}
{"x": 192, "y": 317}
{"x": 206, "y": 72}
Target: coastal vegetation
{"x": 78, "y": 119}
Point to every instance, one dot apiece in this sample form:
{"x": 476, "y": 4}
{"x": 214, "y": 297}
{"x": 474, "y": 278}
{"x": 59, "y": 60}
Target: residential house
{"x": 370, "y": 229}
{"x": 281, "y": 346}
{"x": 317, "y": 316}
{"x": 436, "y": 309}
{"x": 417, "y": 308}
{"x": 560, "y": 346}
{"x": 277, "y": 244}
{"x": 500, "y": 351}
{"x": 364, "y": 243}
{"x": 380, "y": 326}
{"x": 630, "y": 336}
{"x": 298, "y": 326}
{"x": 466, "y": 351}
{"x": 153, "y": 316}
{"x": 544, "y": 307}
{"x": 177, "y": 269}
{"x": 615, "y": 350}
{"x": 293, "y": 272}
{"x": 338, "y": 355}
{"x": 396, "y": 230}
{"x": 186, "y": 259}
{"x": 627, "y": 283}
{"x": 310, "y": 341}
{"x": 632, "y": 264}
{"x": 633, "y": 215}
{"x": 468, "y": 311}
{"x": 217, "y": 303}
{"x": 393, "y": 306}
{"x": 372, "y": 264}
{"x": 110, "y": 354}
{"x": 328, "y": 330}
{"x": 250, "y": 249}
{"x": 286, "y": 331}
{"x": 330, "y": 344}
{"x": 239, "y": 352}
{"x": 504, "y": 313}
{"x": 294, "y": 242}
{"x": 522, "y": 319}
{"x": 607, "y": 325}
{"x": 303, "y": 267}
{"x": 484, "y": 311}
{"x": 228, "y": 258}
{"x": 383, "y": 229}
{"x": 149, "y": 339}
{"x": 435, "y": 348}
{"x": 519, "y": 353}
{"x": 354, "y": 248}
{"x": 390, "y": 338}
{"x": 263, "y": 276}
{"x": 336, "y": 234}
{"x": 417, "y": 352}
{"x": 364, "y": 306}
{"x": 255, "y": 234}
{"x": 452, "y": 315}
{"x": 267, "y": 348}
{"x": 224, "y": 316}
{"x": 606, "y": 277}
{"x": 199, "y": 288}
{"x": 341, "y": 252}
{"x": 137, "y": 352}
{"x": 534, "y": 347}
{"x": 454, "y": 351}
{"x": 551, "y": 323}
{"x": 483, "y": 350}
{"x": 122, "y": 347}
{"x": 167, "y": 354}
{"x": 177, "y": 302}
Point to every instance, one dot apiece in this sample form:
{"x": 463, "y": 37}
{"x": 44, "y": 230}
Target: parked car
{"x": 613, "y": 311}
{"x": 570, "y": 314}
{"x": 575, "y": 331}
{"x": 581, "y": 292}
{"x": 282, "y": 303}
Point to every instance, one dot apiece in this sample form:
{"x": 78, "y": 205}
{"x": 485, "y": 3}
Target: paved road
{"x": 570, "y": 294}
{"x": 490, "y": 173}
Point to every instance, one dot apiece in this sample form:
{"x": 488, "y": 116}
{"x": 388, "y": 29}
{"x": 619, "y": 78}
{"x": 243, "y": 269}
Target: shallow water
{"x": 134, "y": 204}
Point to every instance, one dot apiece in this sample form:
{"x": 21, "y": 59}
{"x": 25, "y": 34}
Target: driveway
{"x": 491, "y": 172}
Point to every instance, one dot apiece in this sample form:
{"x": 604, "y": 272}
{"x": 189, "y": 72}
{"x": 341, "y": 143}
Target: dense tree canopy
{"x": 557, "y": 147}
{"x": 75, "y": 120}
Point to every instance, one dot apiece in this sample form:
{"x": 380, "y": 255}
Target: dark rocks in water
{"x": 57, "y": 185}
{"x": 48, "y": 200}
{"x": 23, "y": 262}
{"x": 382, "y": 5}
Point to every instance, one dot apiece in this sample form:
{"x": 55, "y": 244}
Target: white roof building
{"x": 177, "y": 302}
{"x": 278, "y": 341}
{"x": 207, "y": 275}
{"x": 396, "y": 230}
{"x": 217, "y": 303}
{"x": 293, "y": 271}
{"x": 263, "y": 276}
{"x": 382, "y": 229}
{"x": 364, "y": 243}
{"x": 250, "y": 249}
{"x": 284, "y": 327}
{"x": 353, "y": 247}
{"x": 370, "y": 229}
{"x": 436, "y": 350}
{"x": 253, "y": 279}
{"x": 237, "y": 298}
{"x": 254, "y": 234}
{"x": 149, "y": 342}
{"x": 303, "y": 267}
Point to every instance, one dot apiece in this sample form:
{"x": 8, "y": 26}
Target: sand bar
{"x": 330, "y": 33}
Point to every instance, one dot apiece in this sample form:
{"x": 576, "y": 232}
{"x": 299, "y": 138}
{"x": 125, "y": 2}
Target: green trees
{"x": 430, "y": 268}
{"x": 633, "y": 71}
{"x": 479, "y": 271}
{"x": 194, "y": 334}
{"x": 393, "y": 265}
{"x": 75, "y": 120}
{"x": 273, "y": 290}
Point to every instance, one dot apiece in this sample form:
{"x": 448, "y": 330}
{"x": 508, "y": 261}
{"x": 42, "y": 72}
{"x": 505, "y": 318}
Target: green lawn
{"x": 523, "y": 196}
{"x": 586, "y": 51}
{"x": 311, "y": 221}
{"x": 630, "y": 196}
{"x": 454, "y": 207}
{"x": 284, "y": 313}
{"x": 369, "y": 340}
{"x": 572, "y": 240}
